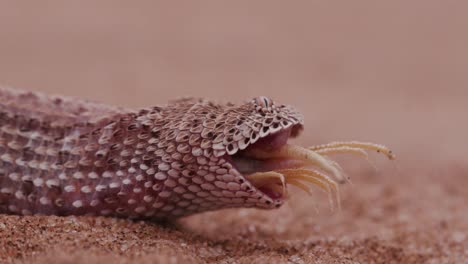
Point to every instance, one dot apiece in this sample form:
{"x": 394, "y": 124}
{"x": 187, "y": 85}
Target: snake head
{"x": 214, "y": 150}
{"x": 212, "y": 156}
{"x": 260, "y": 125}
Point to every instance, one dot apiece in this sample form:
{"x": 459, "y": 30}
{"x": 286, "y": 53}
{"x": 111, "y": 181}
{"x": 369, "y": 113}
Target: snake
{"x": 65, "y": 156}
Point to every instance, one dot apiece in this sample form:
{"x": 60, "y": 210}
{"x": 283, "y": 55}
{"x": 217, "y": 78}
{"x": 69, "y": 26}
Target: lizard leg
{"x": 311, "y": 157}
{"x": 315, "y": 177}
{"x": 355, "y": 147}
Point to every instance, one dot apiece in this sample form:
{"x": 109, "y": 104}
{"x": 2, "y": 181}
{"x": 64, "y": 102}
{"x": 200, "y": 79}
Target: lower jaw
{"x": 275, "y": 189}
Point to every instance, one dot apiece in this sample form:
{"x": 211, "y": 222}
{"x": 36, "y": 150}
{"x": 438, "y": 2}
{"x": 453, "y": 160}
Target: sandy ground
{"x": 393, "y": 73}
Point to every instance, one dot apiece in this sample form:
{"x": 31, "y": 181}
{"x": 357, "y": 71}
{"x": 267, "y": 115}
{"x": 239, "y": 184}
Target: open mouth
{"x": 272, "y": 164}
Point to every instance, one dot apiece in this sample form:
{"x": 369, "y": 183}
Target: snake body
{"x": 65, "y": 156}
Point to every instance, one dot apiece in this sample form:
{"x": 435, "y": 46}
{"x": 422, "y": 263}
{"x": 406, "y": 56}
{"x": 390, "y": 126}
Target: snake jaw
{"x": 271, "y": 165}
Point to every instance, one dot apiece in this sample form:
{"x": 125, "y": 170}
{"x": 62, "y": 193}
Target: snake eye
{"x": 263, "y": 102}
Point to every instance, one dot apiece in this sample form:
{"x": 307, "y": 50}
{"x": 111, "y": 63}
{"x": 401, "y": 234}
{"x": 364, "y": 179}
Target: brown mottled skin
{"x": 63, "y": 156}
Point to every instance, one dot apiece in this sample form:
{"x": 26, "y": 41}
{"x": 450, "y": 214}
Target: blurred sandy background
{"x": 393, "y": 72}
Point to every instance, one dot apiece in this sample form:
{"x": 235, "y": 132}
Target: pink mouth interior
{"x": 273, "y": 141}
{"x": 246, "y": 164}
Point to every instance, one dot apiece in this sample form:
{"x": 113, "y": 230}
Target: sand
{"x": 393, "y": 73}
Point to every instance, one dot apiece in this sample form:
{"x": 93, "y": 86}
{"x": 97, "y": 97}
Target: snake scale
{"x": 66, "y": 156}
